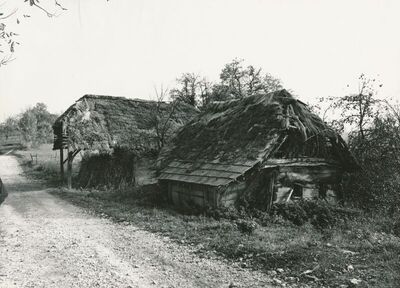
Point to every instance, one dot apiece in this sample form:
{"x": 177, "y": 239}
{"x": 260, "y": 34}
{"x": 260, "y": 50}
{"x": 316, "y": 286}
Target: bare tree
{"x": 361, "y": 108}
{"x": 161, "y": 117}
{"x": 205, "y": 88}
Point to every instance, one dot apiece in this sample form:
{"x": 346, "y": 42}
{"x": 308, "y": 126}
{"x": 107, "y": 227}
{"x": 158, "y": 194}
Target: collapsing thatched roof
{"x": 231, "y": 137}
{"x": 101, "y": 122}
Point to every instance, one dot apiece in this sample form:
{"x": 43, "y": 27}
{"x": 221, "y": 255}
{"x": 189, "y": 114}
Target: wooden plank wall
{"x": 187, "y": 194}
{"x": 231, "y": 194}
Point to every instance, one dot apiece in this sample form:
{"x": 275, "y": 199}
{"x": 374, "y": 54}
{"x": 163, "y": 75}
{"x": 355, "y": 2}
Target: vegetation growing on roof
{"x": 101, "y": 122}
{"x": 252, "y": 128}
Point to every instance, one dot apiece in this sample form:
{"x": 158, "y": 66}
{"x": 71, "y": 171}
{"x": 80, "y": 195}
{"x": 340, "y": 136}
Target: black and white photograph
{"x": 199, "y": 143}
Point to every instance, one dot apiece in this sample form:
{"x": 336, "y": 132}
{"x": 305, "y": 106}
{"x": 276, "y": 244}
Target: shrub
{"x": 261, "y": 217}
{"x": 229, "y": 213}
{"x": 319, "y": 213}
{"x": 292, "y": 212}
{"x": 246, "y": 226}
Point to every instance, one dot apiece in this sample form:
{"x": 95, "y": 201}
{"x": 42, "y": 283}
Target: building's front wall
{"x": 184, "y": 194}
{"x": 308, "y": 182}
{"x": 270, "y": 185}
{"x": 228, "y": 196}
{"x": 284, "y": 193}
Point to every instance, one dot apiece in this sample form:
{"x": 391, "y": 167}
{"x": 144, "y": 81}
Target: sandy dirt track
{"x": 47, "y": 242}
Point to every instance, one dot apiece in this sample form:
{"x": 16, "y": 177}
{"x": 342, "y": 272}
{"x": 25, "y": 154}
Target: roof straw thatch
{"x": 242, "y": 133}
{"x": 101, "y": 122}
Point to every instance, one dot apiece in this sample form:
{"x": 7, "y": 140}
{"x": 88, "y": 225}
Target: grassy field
{"x": 43, "y": 162}
{"x": 358, "y": 251}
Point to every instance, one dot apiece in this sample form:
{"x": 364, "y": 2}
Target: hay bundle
{"x": 114, "y": 170}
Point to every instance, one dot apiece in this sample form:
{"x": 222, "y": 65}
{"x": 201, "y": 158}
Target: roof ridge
{"x": 96, "y": 96}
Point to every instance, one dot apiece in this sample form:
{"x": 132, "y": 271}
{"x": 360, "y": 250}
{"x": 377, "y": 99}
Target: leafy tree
{"x": 235, "y": 82}
{"x": 9, "y": 127}
{"x": 188, "y": 89}
{"x": 28, "y": 126}
{"x": 45, "y": 121}
{"x": 239, "y": 82}
{"x": 232, "y": 78}
{"x": 192, "y": 89}
{"x": 35, "y": 125}
{"x": 376, "y": 186}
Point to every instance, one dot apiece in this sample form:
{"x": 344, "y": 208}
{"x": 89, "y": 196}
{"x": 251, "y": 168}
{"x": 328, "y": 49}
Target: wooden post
{"x": 62, "y": 164}
{"x": 270, "y": 188}
{"x": 69, "y": 169}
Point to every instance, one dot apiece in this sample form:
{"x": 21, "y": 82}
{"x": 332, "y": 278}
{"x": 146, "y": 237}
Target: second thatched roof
{"x": 101, "y": 122}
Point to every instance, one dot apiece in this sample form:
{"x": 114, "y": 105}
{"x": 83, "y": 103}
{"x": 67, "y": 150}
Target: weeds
{"x": 359, "y": 241}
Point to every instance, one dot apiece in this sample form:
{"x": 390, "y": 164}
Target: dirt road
{"x": 47, "y": 242}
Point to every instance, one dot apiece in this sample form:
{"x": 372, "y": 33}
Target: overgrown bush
{"x": 246, "y": 226}
{"x": 116, "y": 169}
{"x": 376, "y": 186}
{"x": 263, "y": 218}
{"x": 229, "y": 213}
{"x": 292, "y": 212}
{"x": 319, "y": 213}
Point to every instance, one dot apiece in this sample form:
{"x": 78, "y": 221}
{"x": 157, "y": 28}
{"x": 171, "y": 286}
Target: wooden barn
{"x": 264, "y": 148}
{"x": 100, "y": 123}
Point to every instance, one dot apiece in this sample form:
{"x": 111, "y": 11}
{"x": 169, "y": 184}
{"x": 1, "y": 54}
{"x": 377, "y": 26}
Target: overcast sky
{"x": 126, "y": 47}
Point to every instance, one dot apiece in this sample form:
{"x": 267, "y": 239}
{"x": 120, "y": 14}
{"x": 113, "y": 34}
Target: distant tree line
{"x": 34, "y": 125}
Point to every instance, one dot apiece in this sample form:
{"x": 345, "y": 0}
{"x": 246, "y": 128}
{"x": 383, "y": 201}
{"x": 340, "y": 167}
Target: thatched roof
{"x": 101, "y": 122}
{"x": 229, "y": 138}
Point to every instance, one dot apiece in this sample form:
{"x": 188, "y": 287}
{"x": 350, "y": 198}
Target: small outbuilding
{"x": 100, "y": 123}
{"x": 264, "y": 148}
